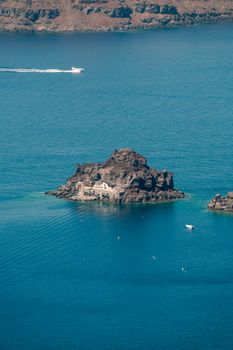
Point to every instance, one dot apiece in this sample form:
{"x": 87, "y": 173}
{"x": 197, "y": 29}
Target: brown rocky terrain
{"x": 224, "y": 203}
{"x": 124, "y": 178}
{"x": 104, "y": 15}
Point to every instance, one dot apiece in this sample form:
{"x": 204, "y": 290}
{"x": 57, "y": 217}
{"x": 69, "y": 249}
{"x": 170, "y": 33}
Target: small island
{"x": 124, "y": 178}
{"x": 223, "y": 203}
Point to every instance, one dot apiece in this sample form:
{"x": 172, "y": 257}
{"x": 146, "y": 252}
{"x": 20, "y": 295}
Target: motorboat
{"x": 77, "y": 70}
{"x": 190, "y": 227}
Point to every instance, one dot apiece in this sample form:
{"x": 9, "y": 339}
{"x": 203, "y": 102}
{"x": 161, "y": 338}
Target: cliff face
{"x": 102, "y": 15}
{"x": 124, "y": 178}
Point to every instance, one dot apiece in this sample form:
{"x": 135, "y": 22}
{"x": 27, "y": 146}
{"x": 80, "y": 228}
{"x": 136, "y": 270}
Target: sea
{"x": 92, "y": 276}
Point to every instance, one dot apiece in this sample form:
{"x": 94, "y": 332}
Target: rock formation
{"x": 124, "y": 178}
{"x": 104, "y": 15}
{"x": 224, "y": 203}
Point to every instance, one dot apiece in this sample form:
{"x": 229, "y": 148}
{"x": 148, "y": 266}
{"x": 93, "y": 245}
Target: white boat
{"x": 190, "y": 227}
{"x": 77, "y": 70}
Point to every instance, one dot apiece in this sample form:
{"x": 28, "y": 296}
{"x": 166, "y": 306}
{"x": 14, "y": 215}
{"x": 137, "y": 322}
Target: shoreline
{"x": 133, "y": 29}
{"x": 115, "y": 30}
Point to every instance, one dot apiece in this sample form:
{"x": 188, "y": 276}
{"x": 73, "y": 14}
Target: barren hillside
{"x": 103, "y": 15}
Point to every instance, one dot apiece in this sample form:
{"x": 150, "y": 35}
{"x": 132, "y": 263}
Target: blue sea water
{"x": 66, "y": 281}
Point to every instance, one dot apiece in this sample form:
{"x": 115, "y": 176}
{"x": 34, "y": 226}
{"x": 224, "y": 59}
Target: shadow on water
{"x": 105, "y": 209}
{"x": 134, "y": 222}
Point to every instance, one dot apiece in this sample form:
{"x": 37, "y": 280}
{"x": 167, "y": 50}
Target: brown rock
{"x": 222, "y": 203}
{"x": 124, "y": 178}
{"x": 230, "y": 195}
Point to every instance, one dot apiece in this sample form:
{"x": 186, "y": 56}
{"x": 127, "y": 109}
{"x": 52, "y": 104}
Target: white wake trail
{"x": 74, "y": 70}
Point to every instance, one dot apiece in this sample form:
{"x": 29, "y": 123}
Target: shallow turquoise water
{"x": 67, "y": 282}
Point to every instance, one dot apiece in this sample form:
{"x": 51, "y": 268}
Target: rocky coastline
{"x": 124, "y": 178}
{"x": 109, "y": 15}
{"x": 222, "y": 203}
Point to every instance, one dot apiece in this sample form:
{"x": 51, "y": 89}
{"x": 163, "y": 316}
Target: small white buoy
{"x": 118, "y": 237}
{"x": 183, "y": 269}
{"x": 190, "y": 227}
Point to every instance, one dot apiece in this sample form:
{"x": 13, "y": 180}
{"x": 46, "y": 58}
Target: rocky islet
{"x": 124, "y": 178}
{"x": 222, "y": 203}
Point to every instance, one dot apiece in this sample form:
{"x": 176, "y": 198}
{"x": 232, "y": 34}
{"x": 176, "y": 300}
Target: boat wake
{"x": 73, "y": 70}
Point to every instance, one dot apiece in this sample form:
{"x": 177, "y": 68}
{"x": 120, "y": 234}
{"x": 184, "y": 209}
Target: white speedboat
{"x": 190, "y": 227}
{"x": 77, "y": 70}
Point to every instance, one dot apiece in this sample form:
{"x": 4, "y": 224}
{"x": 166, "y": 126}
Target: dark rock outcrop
{"x": 223, "y": 203}
{"x": 169, "y": 10}
{"x": 124, "y": 178}
{"x": 32, "y": 15}
{"x": 151, "y": 8}
{"x": 121, "y": 12}
{"x": 140, "y": 8}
